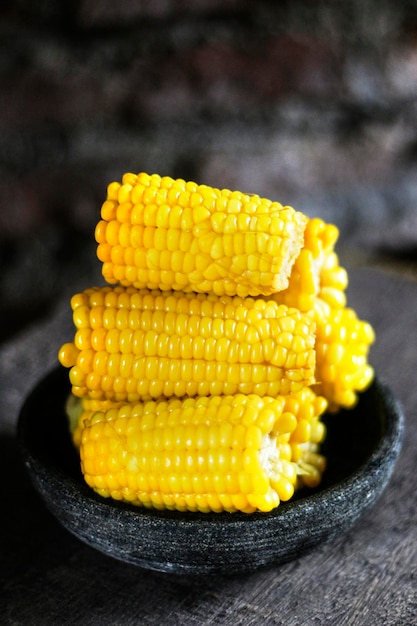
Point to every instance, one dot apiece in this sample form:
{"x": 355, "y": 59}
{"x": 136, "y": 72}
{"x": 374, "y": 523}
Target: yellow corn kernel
{"x": 342, "y": 347}
{"x": 196, "y": 238}
{"x": 307, "y": 407}
{"x": 310, "y": 467}
{"x": 198, "y": 454}
{"x": 170, "y": 343}
{"x": 80, "y": 410}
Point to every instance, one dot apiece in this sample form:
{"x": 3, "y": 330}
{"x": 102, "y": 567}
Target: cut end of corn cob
{"x": 131, "y": 345}
{"x": 316, "y": 273}
{"x": 161, "y": 233}
{"x": 225, "y": 453}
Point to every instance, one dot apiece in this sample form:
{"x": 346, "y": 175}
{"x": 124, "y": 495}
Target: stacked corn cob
{"x": 199, "y": 379}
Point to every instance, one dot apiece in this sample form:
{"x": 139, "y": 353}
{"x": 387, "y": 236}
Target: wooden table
{"x": 368, "y": 576}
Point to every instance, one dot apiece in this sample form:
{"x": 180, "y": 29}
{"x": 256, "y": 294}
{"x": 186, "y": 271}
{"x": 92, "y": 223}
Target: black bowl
{"x": 362, "y": 446}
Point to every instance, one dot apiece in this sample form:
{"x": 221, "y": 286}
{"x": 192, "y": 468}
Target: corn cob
{"x": 306, "y": 406}
{"x": 199, "y": 454}
{"x": 162, "y": 233}
{"x": 306, "y": 438}
{"x": 80, "y": 410}
{"x": 342, "y": 346}
{"x": 310, "y": 467}
{"x": 131, "y": 345}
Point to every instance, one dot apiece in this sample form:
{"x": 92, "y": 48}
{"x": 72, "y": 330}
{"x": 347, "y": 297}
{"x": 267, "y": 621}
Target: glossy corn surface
{"x": 80, "y": 410}
{"x": 290, "y": 455}
{"x": 131, "y": 345}
{"x": 217, "y": 453}
{"x": 342, "y": 347}
{"x": 164, "y": 233}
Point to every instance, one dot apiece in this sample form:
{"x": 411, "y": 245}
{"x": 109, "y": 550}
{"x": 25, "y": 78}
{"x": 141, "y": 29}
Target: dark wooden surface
{"x": 366, "y": 577}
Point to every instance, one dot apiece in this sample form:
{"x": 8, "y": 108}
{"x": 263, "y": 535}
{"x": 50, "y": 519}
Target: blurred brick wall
{"x": 309, "y": 102}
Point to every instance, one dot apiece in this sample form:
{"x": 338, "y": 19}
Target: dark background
{"x": 308, "y": 102}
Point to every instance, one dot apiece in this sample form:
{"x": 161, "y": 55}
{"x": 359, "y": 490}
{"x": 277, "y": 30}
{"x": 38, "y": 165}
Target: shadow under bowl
{"x": 361, "y": 447}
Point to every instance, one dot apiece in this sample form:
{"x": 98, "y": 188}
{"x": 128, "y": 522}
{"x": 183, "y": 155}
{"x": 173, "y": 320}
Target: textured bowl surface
{"x": 362, "y": 446}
